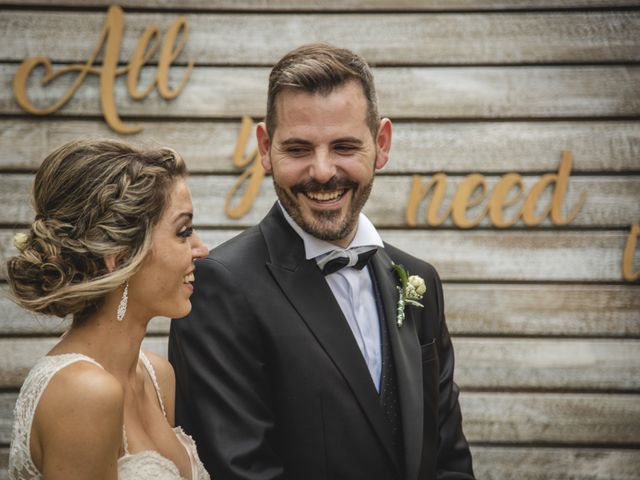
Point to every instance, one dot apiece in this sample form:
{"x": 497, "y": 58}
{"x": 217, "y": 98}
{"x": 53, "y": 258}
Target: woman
{"x": 112, "y": 244}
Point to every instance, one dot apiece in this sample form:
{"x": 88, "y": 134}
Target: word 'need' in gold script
{"x": 508, "y": 191}
{"x": 111, "y": 39}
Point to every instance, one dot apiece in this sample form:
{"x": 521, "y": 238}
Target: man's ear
{"x": 110, "y": 262}
{"x": 383, "y": 142}
{"x": 264, "y": 146}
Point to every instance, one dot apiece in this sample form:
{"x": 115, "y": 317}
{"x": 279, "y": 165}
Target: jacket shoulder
{"x": 413, "y": 264}
{"x": 243, "y": 249}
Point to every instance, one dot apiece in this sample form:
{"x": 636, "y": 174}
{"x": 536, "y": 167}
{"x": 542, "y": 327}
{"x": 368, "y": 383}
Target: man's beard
{"x": 325, "y": 224}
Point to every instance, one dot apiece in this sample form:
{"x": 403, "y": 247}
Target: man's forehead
{"x": 298, "y": 111}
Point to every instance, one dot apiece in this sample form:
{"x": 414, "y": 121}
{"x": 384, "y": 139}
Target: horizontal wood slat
{"x": 549, "y": 364}
{"x": 297, "y": 5}
{"x": 408, "y": 92}
{"x": 520, "y": 418}
{"x": 471, "y": 309}
{"x": 408, "y": 39}
{"x": 612, "y": 202}
{"x": 502, "y": 463}
{"x": 19, "y": 355}
{"x": 513, "y": 255}
{"x": 485, "y": 255}
{"x": 507, "y": 463}
{"x": 551, "y": 418}
{"x": 485, "y": 364}
{"x": 585, "y": 310}
{"x": 612, "y": 146}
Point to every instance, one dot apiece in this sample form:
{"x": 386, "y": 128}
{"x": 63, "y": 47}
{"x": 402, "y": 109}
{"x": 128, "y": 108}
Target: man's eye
{"x": 297, "y": 151}
{"x": 187, "y": 232}
{"x": 345, "y": 148}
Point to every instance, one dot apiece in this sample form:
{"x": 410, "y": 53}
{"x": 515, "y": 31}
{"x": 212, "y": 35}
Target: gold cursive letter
{"x": 561, "y": 181}
{"x": 465, "y": 199}
{"x": 169, "y": 54}
{"x": 418, "y": 192}
{"x": 255, "y": 173}
{"x": 111, "y": 38}
{"x": 498, "y": 200}
{"x": 627, "y": 259}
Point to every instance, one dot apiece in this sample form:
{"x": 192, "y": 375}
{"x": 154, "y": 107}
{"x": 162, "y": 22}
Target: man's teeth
{"x": 188, "y": 278}
{"x": 324, "y": 196}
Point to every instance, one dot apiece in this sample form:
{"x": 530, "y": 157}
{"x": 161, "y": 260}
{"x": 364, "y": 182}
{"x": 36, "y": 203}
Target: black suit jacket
{"x": 271, "y": 383}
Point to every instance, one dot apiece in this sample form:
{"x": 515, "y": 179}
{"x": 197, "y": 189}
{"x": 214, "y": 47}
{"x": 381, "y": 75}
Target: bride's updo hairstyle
{"x": 92, "y": 198}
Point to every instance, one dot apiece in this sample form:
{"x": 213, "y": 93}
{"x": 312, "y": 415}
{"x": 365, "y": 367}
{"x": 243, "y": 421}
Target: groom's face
{"x": 323, "y": 158}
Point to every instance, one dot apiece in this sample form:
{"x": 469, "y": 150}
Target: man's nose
{"x": 323, "y": 167}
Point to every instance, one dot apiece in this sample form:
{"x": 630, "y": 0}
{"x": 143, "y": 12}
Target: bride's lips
{"x": 188, "y": 280}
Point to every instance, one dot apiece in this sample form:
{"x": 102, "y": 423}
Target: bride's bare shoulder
{"x": 84, "y": 383}
{"x": 81, "y": 392}
{"x": 78, "y": 419}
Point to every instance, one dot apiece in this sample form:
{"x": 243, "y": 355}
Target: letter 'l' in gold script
{"x": 111, "y": 38}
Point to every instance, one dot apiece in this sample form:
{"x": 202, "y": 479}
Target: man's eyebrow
{"x": 295, "y": 141}
{"x": 301, "y": 141}
{"x": 353, "y": 140}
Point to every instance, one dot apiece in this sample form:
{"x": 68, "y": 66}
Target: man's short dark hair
{"x": 321, "y": 68}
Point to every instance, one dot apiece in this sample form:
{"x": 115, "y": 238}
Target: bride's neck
{"x": 113, "y": 344}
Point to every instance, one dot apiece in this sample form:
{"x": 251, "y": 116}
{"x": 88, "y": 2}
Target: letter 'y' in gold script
{"x": 253, "y": 175}
{"x": 111, "y": 39}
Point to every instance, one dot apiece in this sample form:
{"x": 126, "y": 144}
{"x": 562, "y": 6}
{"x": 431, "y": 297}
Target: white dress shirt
{"x": 353, "y": 290}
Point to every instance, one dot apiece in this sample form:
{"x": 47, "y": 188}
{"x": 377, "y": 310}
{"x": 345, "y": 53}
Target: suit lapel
{"x": 307, "y": 290}
{"x": 406, "y": 354}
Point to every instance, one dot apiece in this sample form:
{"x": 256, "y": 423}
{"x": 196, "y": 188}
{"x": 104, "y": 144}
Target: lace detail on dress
{"x": 21, "y": 466}
{"x": 146, "y": 465}
{"x": 198, "y": 471}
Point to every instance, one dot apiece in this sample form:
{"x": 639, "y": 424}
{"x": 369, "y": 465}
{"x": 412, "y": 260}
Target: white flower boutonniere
{"x": 411, "y": 289}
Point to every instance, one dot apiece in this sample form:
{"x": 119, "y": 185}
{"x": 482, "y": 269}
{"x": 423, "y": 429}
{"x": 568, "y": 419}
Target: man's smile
{"x": 328, "y": 197}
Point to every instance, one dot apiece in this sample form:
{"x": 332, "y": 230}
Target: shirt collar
{"x": 366, "y": 234}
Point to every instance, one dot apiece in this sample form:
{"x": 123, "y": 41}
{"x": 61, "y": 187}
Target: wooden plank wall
{"x": 547, "y": 333}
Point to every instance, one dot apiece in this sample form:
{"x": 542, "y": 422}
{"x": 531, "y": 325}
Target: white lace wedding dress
{"x": 145, "y": 465}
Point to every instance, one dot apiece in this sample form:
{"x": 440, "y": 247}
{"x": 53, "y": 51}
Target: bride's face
{"x": 164, "y": 283}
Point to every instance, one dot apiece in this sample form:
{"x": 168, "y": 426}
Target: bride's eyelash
{"x": 187, "y": 232}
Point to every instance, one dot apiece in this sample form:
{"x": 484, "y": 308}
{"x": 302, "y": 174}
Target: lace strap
{"x": 154, "y": 380}
{"x": 125, "y": 442}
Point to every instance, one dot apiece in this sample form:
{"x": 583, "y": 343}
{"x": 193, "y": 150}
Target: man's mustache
{"x": 334, "y": 183}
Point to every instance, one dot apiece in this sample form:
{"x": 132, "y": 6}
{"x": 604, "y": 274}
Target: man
{"x": 289, "y": 367}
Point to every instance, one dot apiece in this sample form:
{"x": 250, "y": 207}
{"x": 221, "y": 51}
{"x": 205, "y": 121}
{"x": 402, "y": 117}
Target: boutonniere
{"x": 411, "y": 289}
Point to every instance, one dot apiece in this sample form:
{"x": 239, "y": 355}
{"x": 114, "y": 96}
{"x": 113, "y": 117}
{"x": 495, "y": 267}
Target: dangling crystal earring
{"x": 122, "y": 306}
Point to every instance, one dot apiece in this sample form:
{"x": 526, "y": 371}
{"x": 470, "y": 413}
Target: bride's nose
{"x": 198, "y": 248}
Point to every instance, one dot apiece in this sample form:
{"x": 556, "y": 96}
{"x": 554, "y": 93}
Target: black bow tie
{"x": 356, "y": 257}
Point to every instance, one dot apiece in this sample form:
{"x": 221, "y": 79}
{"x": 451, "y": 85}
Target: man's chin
{"x": 328, "y": 225}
